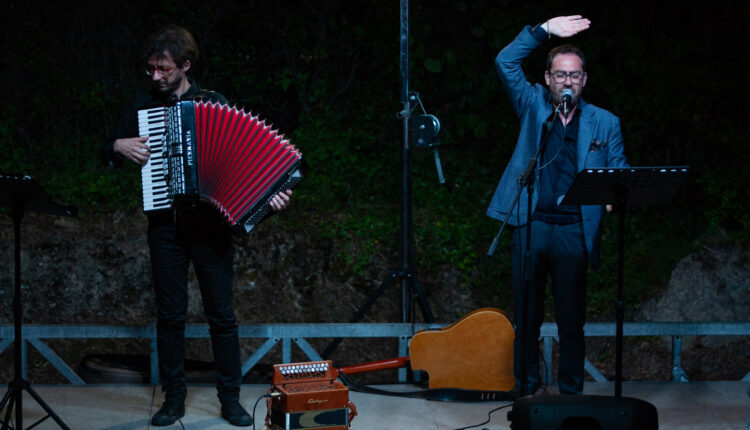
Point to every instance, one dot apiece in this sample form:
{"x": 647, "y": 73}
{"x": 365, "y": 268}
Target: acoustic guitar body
{"x": 474, "y": 353}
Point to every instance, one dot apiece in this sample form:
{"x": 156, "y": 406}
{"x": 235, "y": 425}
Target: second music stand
{"x": 624, "y": 187}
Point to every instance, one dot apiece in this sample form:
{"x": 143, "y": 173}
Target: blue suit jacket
{"x": 599, "y": 140}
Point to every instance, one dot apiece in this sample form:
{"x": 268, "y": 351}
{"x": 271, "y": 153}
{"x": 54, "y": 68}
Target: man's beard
{"x": 166, "y": 89}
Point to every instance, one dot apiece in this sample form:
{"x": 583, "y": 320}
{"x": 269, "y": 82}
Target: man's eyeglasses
{"x": 560, "y": 77}
{"x": 163, "y": 70}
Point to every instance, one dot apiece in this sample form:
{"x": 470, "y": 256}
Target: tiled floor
{"x": 693, "y": 405}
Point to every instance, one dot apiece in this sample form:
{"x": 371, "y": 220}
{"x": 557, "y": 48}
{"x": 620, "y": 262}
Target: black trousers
{"x": 199, "y": 234}
{"x": 558, "y": 254}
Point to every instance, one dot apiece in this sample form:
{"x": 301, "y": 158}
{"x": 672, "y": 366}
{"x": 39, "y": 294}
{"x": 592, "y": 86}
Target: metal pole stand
{"x": 20, "y": 193}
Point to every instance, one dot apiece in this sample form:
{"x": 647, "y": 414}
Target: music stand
{"x": 623, "y": 187}
{"x": 20, "y": 193}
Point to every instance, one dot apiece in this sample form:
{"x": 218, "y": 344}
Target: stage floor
{"x": 693, "y": 405}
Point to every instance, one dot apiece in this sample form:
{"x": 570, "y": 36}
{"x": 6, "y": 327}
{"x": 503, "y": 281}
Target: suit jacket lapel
{"x": 586, "y": 130}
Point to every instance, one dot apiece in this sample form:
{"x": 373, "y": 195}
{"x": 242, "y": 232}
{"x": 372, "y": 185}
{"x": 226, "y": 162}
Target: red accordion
{"x": 209, "y": 151}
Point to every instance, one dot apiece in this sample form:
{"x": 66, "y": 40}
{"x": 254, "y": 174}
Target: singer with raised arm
{"x": 564, "y": 239}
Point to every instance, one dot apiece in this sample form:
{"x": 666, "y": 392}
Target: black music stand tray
{"x": 624, "y": 187}
{"x": 21, "y": 193}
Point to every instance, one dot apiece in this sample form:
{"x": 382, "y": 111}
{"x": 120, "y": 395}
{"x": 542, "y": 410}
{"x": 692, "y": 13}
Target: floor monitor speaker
{"x": 582, "y": 413}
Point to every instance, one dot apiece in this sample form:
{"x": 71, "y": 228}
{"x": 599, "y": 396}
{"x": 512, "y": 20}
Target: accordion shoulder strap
{"x": 211, "y": 96}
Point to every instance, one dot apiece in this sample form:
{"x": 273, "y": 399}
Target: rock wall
{"x": 710, "y": 285}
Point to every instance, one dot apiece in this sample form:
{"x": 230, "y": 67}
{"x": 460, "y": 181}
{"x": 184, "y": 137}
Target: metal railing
{"x": 673, "y": 329}
{"x": 296, "y": 334}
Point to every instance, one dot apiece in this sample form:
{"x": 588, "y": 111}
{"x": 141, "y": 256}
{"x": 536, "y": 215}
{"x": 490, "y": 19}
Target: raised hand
{"x": 566, "y": 26}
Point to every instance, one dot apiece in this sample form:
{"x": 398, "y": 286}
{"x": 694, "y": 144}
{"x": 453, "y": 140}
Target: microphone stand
{"x": 526, "y": 179}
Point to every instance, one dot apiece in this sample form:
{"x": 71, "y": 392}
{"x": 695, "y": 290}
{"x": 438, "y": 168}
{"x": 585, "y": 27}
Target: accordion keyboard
{"x": 151, "y": 123}
{"x": 295, "y": 373}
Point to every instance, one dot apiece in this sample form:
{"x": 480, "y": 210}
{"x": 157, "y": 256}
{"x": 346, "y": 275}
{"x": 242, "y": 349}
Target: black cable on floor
{"x": 489, "y": 417}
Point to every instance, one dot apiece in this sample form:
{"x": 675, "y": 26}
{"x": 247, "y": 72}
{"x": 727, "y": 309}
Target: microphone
{"x": 567, "y": 98}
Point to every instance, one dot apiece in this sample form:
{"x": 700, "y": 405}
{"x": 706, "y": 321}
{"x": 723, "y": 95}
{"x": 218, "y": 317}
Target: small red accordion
{"x": 209, "y": 151}
{"x": 308, "y": 396}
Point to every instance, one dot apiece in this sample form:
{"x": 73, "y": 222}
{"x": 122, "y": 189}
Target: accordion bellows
{"x": 219, "y": 154}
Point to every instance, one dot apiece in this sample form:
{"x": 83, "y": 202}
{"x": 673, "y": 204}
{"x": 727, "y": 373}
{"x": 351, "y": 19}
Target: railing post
{"x": 547, "y": 355}
{"x": 154, "y": 361}
{"x": 678, "y": 374}
{"x": 403, "y": 351}
{"x": 286, "y": 350}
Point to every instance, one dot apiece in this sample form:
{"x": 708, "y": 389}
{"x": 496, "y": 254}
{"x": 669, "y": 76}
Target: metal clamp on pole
{"x": 424, "y": 132}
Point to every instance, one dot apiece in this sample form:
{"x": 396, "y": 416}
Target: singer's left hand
{"x": 280, "y": 200}
{"x": 566, "y": 26}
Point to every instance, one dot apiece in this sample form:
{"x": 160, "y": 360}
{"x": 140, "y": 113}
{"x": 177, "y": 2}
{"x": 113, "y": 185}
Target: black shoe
{"x": 170, "y": 412}
{"x": 233, "y": 412}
